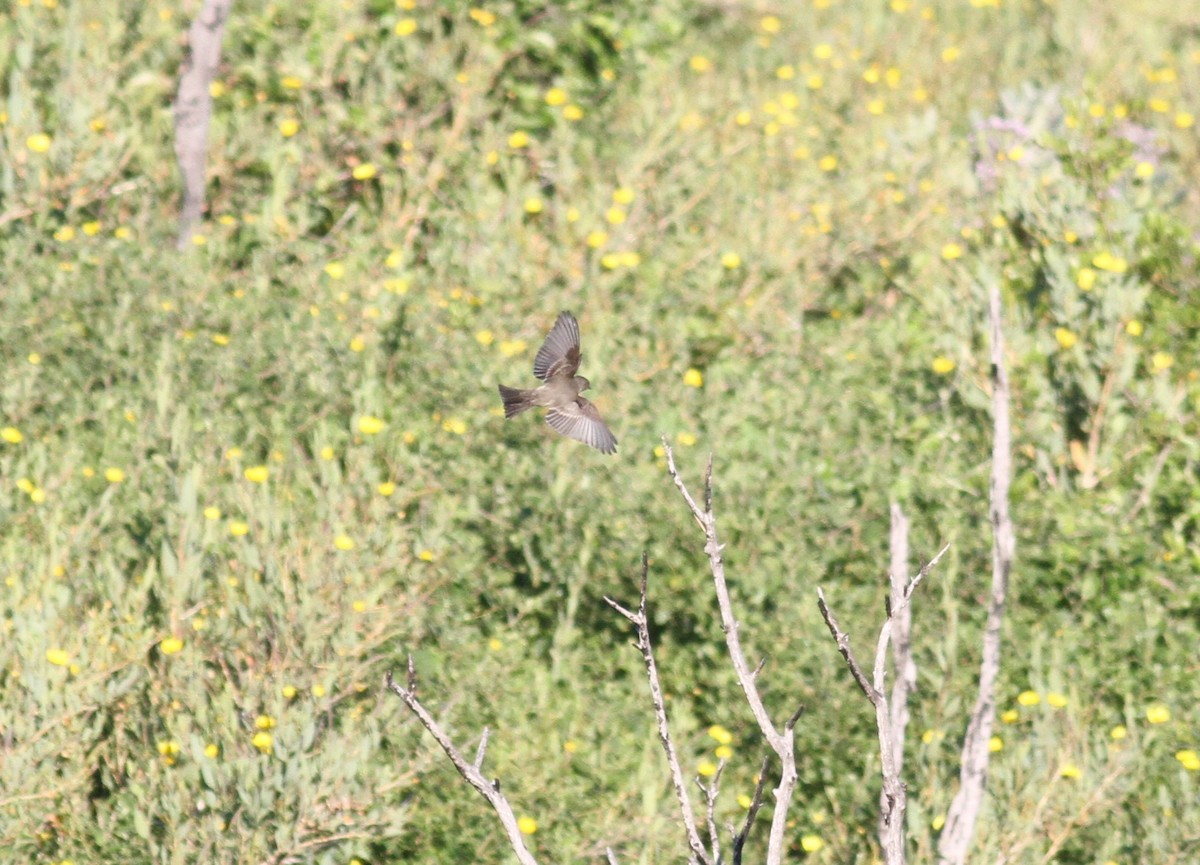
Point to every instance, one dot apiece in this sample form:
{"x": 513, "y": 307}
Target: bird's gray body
{"x": 570, "y": 414}
{"x": 560, "y": 390}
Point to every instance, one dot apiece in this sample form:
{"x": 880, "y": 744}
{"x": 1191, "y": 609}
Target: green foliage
{"x": 239, "y": 484}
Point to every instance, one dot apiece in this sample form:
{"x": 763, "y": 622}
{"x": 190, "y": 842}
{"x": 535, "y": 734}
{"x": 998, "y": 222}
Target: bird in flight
{"x": 570, "y": 414}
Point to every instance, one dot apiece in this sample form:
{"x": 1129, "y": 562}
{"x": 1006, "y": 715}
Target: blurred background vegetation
{"x": 240, "y": 483}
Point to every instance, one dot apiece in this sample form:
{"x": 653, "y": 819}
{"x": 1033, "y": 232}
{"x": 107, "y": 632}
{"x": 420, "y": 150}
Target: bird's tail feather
{"x": 516, "y": 400}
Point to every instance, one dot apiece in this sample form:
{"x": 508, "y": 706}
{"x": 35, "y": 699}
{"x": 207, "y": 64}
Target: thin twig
{"x": 780, "y": 741}
{"x": 964, "y": 808}
{"x": 482, "y": 749}
{"x": 794, "y": 718}
{"x": 641, "y": 626}
{"x": 843, "y": 643}
{"x": 739, "y": 840}
{"x": 710, "y": 806}
{"x": 489, "y": 789}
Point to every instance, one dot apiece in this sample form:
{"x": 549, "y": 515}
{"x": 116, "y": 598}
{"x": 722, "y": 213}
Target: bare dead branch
{"x": 708, "y": 485}
{"x": 964, "y": 809}
{"x": 780, "y": 741}
{"x": 193, "y": 110}
{"x": 489, "y": 789}
{"x": 482, "y": 749}
{"x": 794, "y": 718}
{"x": 894, "y": 795}
{"x": 612, "y": 857}
{"x": 739, "y": 840}
{"x": 925, "y": 570}
{"x": 710, "y": 805}
{"x": 843, "y": 643}
{"x": 641, "y": 627}
{"x": 904, "y": 669}
{"x": 762, "y": 662}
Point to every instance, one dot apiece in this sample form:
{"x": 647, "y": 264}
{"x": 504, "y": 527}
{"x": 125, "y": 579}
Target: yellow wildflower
{"x": 1158, "y": 714}
{"x": 370, "y": 425}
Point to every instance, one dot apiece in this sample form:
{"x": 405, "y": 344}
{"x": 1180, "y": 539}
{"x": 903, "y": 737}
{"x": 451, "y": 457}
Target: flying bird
{"x": 570, "y": 414}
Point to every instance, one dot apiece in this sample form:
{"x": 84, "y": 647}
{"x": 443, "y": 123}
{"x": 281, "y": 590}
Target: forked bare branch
{"x": 711, "y": 791}
{"x": 893, "y": 800}
{"x": 641, "y": 626}
{"x": 781, "y": 741}
{"x": 471, "y": 772}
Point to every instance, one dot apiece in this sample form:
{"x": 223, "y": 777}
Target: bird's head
{"x": 583, "y": 383}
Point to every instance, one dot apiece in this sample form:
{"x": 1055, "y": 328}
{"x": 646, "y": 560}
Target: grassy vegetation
{"x": 239, "y": 483}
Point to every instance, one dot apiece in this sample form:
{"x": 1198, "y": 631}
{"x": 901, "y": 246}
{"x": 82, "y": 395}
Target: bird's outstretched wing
{"x": 580, "y": 420}
{"x": 559, "y": 354}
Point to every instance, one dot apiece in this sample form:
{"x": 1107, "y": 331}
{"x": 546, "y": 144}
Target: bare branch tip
{"x": 708, "y": 488}
{"x": 629, "y": 614}
{"x": 645, "y": 591}
{"x": 791, "y": 722}
{"x": 482, "y": 750}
